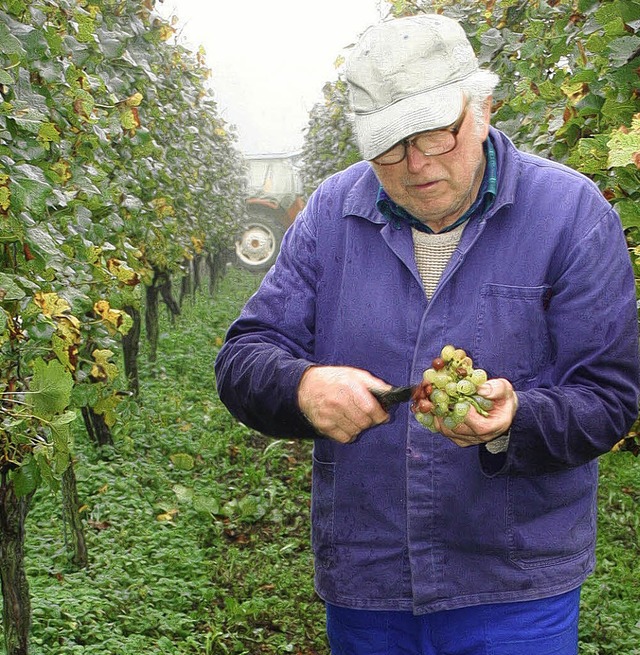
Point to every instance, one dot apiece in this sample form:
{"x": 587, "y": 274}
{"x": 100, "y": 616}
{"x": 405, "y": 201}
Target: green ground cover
{"x": 198, "y": 528}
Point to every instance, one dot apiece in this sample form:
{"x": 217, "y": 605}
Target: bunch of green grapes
{"x": 451, "y": 384}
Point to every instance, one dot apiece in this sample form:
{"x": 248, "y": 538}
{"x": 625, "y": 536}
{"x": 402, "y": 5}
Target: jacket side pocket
{"x": 551, "y": 518}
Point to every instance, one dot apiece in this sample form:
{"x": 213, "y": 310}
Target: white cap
{"x": 405, "y": 76}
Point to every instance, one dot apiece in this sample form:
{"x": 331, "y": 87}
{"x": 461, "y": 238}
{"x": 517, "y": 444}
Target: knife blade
{"x": 393, "y": 396}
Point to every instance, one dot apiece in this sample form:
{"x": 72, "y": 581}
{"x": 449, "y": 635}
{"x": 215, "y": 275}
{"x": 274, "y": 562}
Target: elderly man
{"x": 473, "y": 539}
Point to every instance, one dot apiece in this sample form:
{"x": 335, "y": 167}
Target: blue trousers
{"x": 539, "y": 627}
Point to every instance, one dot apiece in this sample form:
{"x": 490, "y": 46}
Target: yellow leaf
{"x": 134, "y": 100}
{"x": 129, "y": 119}
{"x": 167, "y": 516}
{"x": 116, "y": 318}
{"x": 51, "y": 304}
{"x": 575, "y": 91}
{"x": 93, "y": 254}
{"x": 106, "y": 407}
{"x": 162, "y": 207}
{"x": 5, "y": 198}
{"x": 103, "y": 369}
{"x": 68, "y": 329}
{"x": 166, "y": 32}
{"x": 198, "y": 244}
{"x": 122, "y": 272}
{"x": 62, "y": 169}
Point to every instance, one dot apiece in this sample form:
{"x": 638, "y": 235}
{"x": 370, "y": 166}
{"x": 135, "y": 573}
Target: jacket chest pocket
{"x": 512, "y": 339}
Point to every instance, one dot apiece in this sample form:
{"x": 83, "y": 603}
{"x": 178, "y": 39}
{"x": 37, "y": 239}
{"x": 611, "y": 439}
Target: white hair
{"x": 477, "y": 89}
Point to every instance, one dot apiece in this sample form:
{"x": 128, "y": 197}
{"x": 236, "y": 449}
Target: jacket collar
{"x": 361, "y": 199}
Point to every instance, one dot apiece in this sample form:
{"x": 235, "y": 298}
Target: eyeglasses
{"x": 430, "y": 143}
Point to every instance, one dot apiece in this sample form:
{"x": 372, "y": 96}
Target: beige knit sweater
{"x": 433, "y": 252}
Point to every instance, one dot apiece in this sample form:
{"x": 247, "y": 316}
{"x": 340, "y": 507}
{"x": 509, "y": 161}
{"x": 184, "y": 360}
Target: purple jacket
{"x": 540, "y": 291}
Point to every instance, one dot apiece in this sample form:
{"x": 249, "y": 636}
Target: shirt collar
{"x": 396, "y": 215}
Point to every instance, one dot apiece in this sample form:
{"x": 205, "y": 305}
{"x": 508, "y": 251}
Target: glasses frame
{"x": 452, "y": 129}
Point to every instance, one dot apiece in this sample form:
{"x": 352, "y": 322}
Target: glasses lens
{"x": 394, "y": 155}
{"x": 435, "y": 143}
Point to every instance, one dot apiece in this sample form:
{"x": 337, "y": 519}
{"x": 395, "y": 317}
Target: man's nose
{"x": 415, "y": 158}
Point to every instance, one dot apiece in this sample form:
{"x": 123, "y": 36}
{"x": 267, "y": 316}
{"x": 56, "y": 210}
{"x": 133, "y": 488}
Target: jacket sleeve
{"x": 271, "y": 344}
{"x": 587, "y": 399}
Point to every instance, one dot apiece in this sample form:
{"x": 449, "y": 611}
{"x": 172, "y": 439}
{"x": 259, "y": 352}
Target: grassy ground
{"x": 198, "y": 528}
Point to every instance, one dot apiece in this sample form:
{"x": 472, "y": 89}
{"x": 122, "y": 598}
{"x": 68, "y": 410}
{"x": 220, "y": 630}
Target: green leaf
{"x": 182, "y": 461}
{"x": 48, "y": 133}
{"x": 27, "y": 117}
{"x": 26, "y": 477}
{"x": 590, "y": 157}
{"x": 5, "y": 77}
{"x": 50, "y": 388}
{"x": 30, "y": 194}
{"x": 624, "y": 146}
{"x": 63, "y": 419}
{"x": 9, "y": 45}
{"x": 42, "y": 455}
{"x": 623, "y": 49}
{"x": 184, "y": 494}
{"x": 42, "y": 243}
{"x": 11, "y": 290}
{"x": 629, "y": 212}
{"x": 206, "y": 504}
{"x": 61, "y": 447}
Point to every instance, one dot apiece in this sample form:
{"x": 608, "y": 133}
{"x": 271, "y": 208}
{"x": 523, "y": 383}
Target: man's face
{"x": 438, "y": 189}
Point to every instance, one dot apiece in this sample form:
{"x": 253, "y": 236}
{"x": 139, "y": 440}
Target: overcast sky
{"x": 271, "y": 58}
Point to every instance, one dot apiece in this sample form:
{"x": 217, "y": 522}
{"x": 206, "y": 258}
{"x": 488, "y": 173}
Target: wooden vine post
{"x": 74, "y": 529}
{"x": 16, "y": 602}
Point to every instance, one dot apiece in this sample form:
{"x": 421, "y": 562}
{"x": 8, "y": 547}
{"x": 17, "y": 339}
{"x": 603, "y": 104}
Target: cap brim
{"x": 377, "y": 131}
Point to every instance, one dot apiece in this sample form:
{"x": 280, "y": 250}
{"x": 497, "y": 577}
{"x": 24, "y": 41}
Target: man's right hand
{"x": 338, "y": 402}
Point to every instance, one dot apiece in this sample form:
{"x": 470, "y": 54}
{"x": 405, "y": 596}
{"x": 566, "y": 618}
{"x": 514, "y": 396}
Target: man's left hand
{"x": 477, "y": 429}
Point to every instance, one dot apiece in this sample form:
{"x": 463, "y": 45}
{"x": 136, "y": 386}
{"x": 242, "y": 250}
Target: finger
{"x": 491, "y": 389}
{"x": 461, "y": 440}
{"x": 423, "y": 406}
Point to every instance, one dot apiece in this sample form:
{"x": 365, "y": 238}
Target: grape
{"x": 440, "y": 379}
{"x": 451, "y": 384}
{"x": 441, "y": 409}
{"x": 451, "y": 388}
{"x": 484, "y": 403}
{"x": 467, "y": 363}
{"x": 429, "y": 375}
{"x": 438, "y": 363}
{"x": 425, "y": 419}
{"x": 459, "y": 354}
{"x": 461, "y": 409}
{"x": 439, "y": 397}
{"x": 478, "y": 376}
{"x": 447, "y": 353}
{"x": 466, "y": 387}
{"x": 450, "y": 422}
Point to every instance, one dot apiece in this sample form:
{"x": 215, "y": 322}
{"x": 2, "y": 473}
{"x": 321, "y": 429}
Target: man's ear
{"x": 486, "y": 112}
